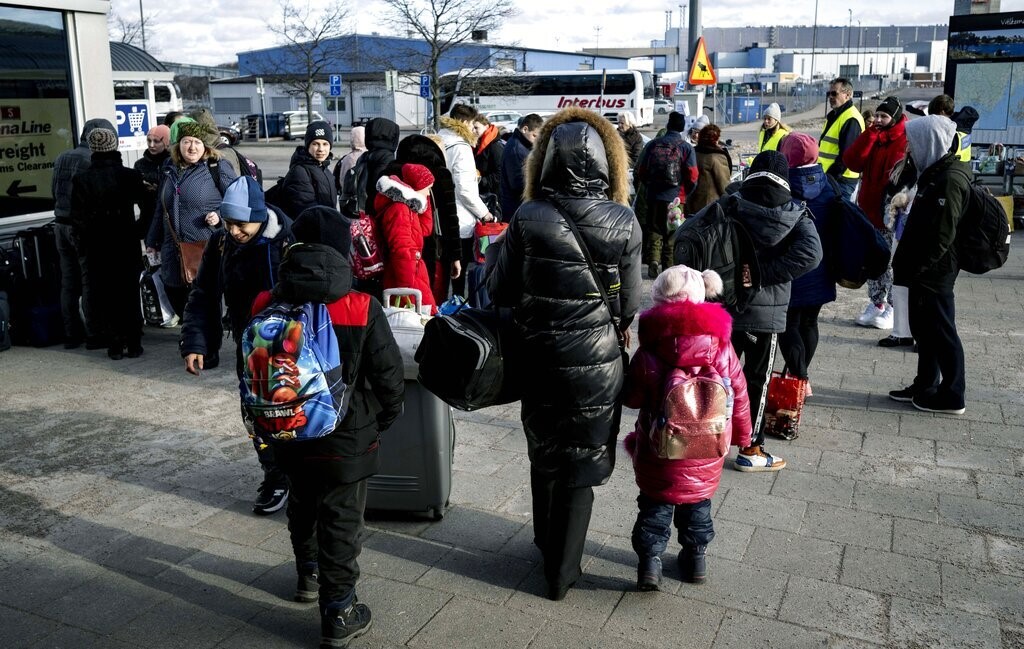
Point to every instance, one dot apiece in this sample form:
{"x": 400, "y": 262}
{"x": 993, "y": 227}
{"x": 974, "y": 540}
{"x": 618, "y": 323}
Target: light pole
{"x": 142, "y": 24}
{"x": 814, "y": 40}
{"x": 849, "y": 35}
{"x": 860, "y": 48}
{"x": 597, "y": 44}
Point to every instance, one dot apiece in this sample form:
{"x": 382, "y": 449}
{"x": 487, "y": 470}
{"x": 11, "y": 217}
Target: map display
{"x": 987, "y": 87}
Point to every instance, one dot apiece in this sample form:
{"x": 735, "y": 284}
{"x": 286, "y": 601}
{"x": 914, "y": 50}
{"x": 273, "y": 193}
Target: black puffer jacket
{"x": 571, "y": 407}
{"x": 309, "y": 183}
{"x": 103, "y": 199}
{"x": 420, "y": 149}
{"x": 787, "y": 246}
{"x": 381, "y": 141}
{"x": 371, "y": 364}
{"x": 238, "y": 273}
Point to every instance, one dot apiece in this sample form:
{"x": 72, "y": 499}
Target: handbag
{"x": 190, "y": 253}
{"x": 486, "y": 234}
{"x": 784, "y": 405}
{"x": 469, "y": 358}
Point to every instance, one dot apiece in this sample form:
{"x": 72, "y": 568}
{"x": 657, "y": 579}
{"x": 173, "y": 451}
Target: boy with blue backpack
{"x": 238, "y": 263}
{"x": 323, "y": 378}
{"x": 688, "y": 384}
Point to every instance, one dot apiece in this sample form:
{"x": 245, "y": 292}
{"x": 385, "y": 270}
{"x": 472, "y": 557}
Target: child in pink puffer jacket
{"x": 682, "y": 331}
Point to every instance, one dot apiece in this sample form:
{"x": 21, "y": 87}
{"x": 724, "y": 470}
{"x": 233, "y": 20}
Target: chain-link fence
{"x": 743, "y": 103}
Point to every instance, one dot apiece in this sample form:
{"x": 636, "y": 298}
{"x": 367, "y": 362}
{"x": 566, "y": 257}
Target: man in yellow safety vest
{"x": 843, "y": 125}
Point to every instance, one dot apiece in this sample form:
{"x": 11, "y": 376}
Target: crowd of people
{"x": 587, "y": 203}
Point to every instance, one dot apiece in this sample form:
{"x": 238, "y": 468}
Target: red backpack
{"x": 367, "y": 254}
{"x": 692, "y": 421}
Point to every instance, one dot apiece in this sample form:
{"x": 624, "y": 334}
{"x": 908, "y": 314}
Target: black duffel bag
{"x": 468, "y": 359}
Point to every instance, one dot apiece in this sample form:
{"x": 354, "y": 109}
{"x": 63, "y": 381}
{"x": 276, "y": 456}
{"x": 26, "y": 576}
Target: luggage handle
{"x": 404, "y": 293}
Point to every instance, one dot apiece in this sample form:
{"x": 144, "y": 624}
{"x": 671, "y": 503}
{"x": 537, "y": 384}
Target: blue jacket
{"x": 808, "y": 184}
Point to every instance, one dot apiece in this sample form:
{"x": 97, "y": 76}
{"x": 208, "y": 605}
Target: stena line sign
{"x": 591, "y": 102}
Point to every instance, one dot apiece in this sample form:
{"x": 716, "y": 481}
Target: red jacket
{"x": 405, "y": 218}
{"x": 873, "y": 154}
{"x": 681, "y": 334}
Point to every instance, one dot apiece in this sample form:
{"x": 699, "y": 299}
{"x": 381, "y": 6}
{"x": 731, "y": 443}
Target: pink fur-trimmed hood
{"x": 684, "y": 333}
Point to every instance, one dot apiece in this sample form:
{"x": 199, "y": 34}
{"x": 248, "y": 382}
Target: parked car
{"x": 509, "y": 119}
{"x": 230, "y": 134}
{"x": 295, "y": 123}
{"x": 663, "y": 106}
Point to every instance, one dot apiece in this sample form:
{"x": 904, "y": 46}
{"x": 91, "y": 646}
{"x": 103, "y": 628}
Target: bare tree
{"x": 310, "y": 47}
{"x": 128, "y": 31}
{"x": 445, "y": 25}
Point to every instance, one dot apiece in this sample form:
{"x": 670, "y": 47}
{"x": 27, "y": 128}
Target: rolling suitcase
{"x": 415, "y": 458}
{"x": 403, "y": 307}
{"x": 36, "y": 311}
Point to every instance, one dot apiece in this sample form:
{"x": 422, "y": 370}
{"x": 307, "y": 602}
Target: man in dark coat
{"x": 381, "y": 141}
{"x": 512, "y": 161}
{"x": 926, "y": 262}
{"x": 787, "y": 246}
{"x": 328, "y": 475}
{"x": 103, "y": 200}
{"x": 72, "y": 266}
{"x": 659, "y": 194}
{"x": 572, "y": 402}
{"x": 238, "y": 263}
{"x": 309, "y": 182}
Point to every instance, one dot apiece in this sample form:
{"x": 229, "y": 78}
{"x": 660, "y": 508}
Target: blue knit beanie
{"x": 243, "y": 201}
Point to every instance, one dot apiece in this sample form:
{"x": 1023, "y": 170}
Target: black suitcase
{"x": 415, "y": 457}
{"x": 36, "y": 312}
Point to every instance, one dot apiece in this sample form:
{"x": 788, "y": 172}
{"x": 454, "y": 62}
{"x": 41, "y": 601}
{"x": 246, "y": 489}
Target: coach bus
{"x": 608, "y": 92}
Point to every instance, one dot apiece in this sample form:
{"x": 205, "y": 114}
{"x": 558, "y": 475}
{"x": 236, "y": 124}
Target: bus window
{"x": 129, "y": 90}
{"x": 161, "y": 93}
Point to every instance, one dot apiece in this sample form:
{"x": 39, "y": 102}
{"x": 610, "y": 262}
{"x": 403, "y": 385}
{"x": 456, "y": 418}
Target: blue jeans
{"x": 654, "y": 525}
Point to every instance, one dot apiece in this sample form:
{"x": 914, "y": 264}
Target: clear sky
{"x": 211, "y": 31}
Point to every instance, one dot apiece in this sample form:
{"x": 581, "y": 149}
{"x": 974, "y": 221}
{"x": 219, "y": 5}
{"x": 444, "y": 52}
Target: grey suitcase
{"x": 415, "y": 457}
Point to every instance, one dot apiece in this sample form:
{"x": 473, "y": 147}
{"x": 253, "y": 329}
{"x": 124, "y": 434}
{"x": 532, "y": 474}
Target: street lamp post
{"x": 849, "y": 35}
{"x": 142, "y": 24}
{"x": 814, "y": 40}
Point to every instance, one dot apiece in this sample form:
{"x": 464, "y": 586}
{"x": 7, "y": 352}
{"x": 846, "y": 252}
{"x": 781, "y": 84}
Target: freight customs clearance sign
{"x": 33, "y": 132}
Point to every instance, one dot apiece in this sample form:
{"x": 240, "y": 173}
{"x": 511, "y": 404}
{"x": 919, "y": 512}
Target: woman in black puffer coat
{"x": 571, "y": 405}
{"x": 444, "y": 243}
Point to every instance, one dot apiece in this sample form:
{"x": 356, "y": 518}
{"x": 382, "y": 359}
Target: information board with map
{"x": 985, "y": 69}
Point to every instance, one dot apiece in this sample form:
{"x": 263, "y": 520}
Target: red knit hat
{"x": 417, "y": 176}
{"x": 800, "y": 149}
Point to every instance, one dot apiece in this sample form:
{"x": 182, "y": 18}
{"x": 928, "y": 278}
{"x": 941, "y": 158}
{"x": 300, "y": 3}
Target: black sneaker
{"x": 692, "y": 564}
{"x": 134, "y": 351}
{"x": 307, "y": 589}
{"x": 906, "y": 395}
{"x": 895, "y": 341}
{"x": 115, "y": 353}
{"x": 271, "y": 498}
{"x": 338, "y": 628}
{"x": 935, "y": 402}
{"x": 648, "y": 574}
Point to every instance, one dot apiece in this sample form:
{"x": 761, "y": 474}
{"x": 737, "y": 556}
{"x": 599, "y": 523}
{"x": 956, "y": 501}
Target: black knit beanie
{"x": 676, "y": 122}
{"x": 318, "y": 131}
{"x": 767, "y": 183}
{"x": 891, "y": 107}
{"x": 325, "y": 226}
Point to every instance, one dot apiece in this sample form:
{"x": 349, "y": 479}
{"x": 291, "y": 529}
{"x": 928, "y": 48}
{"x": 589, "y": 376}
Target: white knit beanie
{"x": 679, "y": 283}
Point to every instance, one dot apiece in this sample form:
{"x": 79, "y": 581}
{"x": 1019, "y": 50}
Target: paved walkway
{"x": 125, "y": 491}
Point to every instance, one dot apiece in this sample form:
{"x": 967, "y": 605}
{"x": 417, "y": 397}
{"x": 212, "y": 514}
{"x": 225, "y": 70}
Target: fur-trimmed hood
{"x": 460, "y": 129}
{"x": 572, "y": 161}
{"x": 391, "y": 188}
{"x": 685, "y": 334}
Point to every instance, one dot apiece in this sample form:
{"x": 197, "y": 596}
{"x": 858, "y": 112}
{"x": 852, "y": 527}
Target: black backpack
{"x": 854, "y": 249}
{"x": 663, "y": 164}
{"x": 713, "y": 240}
{"x": 352, "y": 196}
{"x": 273, "y": 195}
{"x": 983, "y": 233}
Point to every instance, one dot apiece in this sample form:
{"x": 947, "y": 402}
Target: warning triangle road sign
{"x": 701, "y": 72}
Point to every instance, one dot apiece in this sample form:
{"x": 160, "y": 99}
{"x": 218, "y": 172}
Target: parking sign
{"x": 132, "y": 119}
{"x": 334, "y": 80}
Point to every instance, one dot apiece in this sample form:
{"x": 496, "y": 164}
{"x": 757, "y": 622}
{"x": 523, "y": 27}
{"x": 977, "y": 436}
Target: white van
{"x": 295, "y": 123}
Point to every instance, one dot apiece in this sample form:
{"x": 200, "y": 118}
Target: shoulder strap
{"x": 214, "y": 167}
{"x": 593, "y": 269}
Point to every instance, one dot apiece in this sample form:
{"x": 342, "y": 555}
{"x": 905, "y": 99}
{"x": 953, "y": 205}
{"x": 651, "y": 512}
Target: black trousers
{"x": 325, "y": 520}
{"x": 757, "y": 351}
{"x": 465, "y": 258}
{"x": 561, "y": 517}
{"x": 73, "y": 276}
{"x": 800, "y": 340}
{"x": 940, "y": 354}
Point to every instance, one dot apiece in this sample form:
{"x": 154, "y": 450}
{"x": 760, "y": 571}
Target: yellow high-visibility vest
{"x": 828, "y": 145}
{"x": 773, "y": 142}
{"x": 963, "y": 141}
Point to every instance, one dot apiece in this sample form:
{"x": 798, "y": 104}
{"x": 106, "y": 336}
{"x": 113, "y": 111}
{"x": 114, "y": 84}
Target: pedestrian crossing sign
{"x": 701, "y": 72}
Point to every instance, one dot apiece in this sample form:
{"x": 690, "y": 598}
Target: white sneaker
{"x": 883, "y": 320}
{"x": 173, "y": 322}
{"x": 870, "y": 312}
